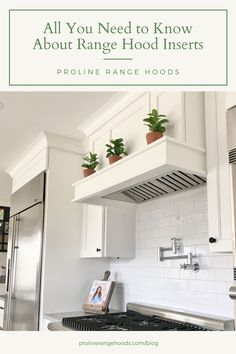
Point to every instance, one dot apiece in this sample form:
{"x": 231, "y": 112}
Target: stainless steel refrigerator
{"x": 24, "y": 257}
{"x": 231, "y": 140}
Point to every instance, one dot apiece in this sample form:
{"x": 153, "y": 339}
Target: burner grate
{"x": 127, "y": 321}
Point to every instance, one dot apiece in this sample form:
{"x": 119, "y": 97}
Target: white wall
{"x": 144, "y": 279}
{"x": 5, "y": 189}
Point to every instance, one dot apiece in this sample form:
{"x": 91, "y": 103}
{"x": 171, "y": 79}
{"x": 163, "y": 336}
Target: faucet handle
{"x": 175, "y": 239}
{"x": 183, "y": 266}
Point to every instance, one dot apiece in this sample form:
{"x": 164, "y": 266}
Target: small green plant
{"x": 91, "y": 161}
{"x": 116, "y": 147}
{"x": 155, "y": 121}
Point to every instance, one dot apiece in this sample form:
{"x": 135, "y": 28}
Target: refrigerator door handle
{"x": 8, "y": 274}
{"x": 15, "y": 253}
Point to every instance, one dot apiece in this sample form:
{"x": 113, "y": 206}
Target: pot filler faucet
{"x": 175, "y": 248}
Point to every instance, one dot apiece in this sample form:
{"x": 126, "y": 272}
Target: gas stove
{"x": 141, "y": 317}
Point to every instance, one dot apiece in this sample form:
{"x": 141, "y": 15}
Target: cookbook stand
{"x": 100, "y": 295}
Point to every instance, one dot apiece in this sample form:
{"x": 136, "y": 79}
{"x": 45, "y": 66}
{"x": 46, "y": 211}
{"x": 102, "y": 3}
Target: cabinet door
{"x": 218, "y": 175}
{"x": 93, "y": 231}
{"x": 108, "y": 232}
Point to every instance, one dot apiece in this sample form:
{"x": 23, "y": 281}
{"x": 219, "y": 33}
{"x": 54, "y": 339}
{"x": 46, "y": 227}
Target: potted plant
{"x": 115, "y": 150}
{"x": 91, "y": 162}
{"x": 155, "y": 123}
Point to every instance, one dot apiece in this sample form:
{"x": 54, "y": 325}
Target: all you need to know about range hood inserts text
{"x": 163, "y": 167}
{"x": 159, "y": 30}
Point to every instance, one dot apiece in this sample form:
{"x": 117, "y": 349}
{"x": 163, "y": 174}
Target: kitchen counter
{"x": 58, "y": 326}
{"x": 56, "y": 319}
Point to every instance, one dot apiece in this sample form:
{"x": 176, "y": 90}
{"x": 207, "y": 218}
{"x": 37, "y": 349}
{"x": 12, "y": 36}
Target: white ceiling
{"x": 23, "y": 115}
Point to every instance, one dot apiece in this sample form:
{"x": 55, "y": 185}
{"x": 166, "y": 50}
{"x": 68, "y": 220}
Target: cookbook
{"x": 99, "y": 296}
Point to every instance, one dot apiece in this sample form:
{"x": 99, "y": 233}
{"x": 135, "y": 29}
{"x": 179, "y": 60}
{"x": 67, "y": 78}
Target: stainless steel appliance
{"x": 142, "y": 317}
{"x": 231, "y": 139}
{"x": 24, "y": 257}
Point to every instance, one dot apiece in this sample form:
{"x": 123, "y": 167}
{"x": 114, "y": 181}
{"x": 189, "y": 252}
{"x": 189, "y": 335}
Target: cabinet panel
{"x": 185, "y": 111}
{"x": 98, "y": 145}
{"x": 125, "y": 122}
{"x": 218, "y": 179}
{"x": 93, "y": 230}
{"x": 224, "y": 170}
{"x": 195, "y": 119}
{"x": 108, "y": 232}
{"x": 172, "y": 105}
{"x": 129, "y": 124}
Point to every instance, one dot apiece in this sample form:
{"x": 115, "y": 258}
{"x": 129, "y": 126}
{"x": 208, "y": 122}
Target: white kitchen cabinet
{"x": 1, "y": 313}
{"x": 108, "y": 232}
{"x": 220, "y": 227}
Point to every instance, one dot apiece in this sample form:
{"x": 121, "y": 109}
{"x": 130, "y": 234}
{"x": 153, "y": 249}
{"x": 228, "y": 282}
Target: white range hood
{"x": 163, "y": 167}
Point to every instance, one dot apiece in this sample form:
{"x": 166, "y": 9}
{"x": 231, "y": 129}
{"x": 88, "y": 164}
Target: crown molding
{"x": 43, "y": 141}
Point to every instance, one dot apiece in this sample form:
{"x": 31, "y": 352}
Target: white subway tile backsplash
{"x": 224, "y": 301}
{"x": 177, "y": 220}
{"x": 195, "y": 216}
{"x": 217, "y": 287}
{"x": 187, "y": 275}
{"x": 206, "y": 274}
{"x": 145, "y": 279}
{"x": 197, "y": 286}
{"x": 186, "y": 205}
{"x": 224, "y": 275}
{"x": 164, "y": 221}
{"x": 196, "y": 239}
{"x": 202, "y": 250}
{"x": 207, "y": 299}
{"x": 171, "y": 273}
{"x": 201, "y": 227}
{"x": 156, "y": 213}
{"x": 186, "y": 229}
{"x": 220, "y": 262}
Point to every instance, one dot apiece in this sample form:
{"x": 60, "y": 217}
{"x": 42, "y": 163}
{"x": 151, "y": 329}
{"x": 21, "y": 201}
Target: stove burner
{"x": 127, "y": 321}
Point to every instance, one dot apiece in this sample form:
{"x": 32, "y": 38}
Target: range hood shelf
{"x": 163, "y": 167}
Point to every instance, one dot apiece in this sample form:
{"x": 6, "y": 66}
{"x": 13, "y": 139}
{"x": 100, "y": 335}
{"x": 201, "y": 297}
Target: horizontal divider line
{"x": 117, "y": 58}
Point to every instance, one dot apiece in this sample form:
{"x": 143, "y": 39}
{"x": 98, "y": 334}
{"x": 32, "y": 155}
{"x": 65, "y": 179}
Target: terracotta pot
{"x": 114, "y": 158}
{"x": 153, "y": 136}
{"x": 88, "y": 172}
